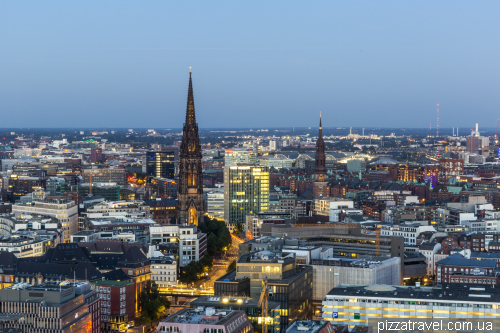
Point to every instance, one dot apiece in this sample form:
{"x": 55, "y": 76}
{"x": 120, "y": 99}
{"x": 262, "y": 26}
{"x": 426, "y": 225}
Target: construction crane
{"x": 377, "y": 241}
{"x": 90, "y": 185}
{"x": 263, "y": 303}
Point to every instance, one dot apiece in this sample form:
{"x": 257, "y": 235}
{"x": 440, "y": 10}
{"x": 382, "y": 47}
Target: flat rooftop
{"x": 40, "y": 287}
{"x": 446, "y": 292}
{"x": 309, "y": 326}
{"x": 198, "y": 316}
{"x": 233, "y": 302}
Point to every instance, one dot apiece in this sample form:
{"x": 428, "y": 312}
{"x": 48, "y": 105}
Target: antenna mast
{"x": 437, "y": 121}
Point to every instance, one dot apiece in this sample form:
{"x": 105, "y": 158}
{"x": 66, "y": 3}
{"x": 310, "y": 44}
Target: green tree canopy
{"x": 231, "y": 266}
{"x": 151, "y": 303}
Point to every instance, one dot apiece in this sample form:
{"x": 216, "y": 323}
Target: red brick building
{"x": 454, "y": 265}
{"x": 449, "y": 168}
{"x": 449, "y": 243}
{"x": 117, "y": 300}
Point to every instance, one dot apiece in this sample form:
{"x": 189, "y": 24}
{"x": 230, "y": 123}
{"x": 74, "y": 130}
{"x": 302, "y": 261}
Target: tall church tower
{"x": 190, "y": 187}
{"x": 320, "y": 183}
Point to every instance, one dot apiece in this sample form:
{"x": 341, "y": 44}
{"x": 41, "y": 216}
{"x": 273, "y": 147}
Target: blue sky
{"x": 255, "y": 63}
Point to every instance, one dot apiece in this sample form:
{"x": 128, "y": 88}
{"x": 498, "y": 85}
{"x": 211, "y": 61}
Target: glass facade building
{"x": 160, "y": 164}
{"x": 246, "y": 191}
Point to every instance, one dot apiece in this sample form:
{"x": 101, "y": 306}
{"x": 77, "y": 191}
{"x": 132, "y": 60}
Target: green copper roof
{"x": 90, "y": 140}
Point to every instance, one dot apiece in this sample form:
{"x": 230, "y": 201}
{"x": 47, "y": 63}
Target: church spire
{"x": 320, "y": 158}
{"x": 190, "y": 185}
{"x": 190, "y": 115}
{"x": 320, "y": 136}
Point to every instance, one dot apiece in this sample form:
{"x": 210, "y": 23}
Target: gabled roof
{"x": 63, "y": 253}
{"x": 116, "y": 275}
{"x": 133, "y": 258}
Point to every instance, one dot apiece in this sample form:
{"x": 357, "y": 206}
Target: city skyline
{"x": 361, "y": 64}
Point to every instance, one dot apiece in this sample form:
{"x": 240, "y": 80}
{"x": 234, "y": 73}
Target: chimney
{"x": 477, "y": 128}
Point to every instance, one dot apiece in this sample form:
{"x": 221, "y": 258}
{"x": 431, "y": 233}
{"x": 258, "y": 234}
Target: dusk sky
{"x": 255, "y": 64}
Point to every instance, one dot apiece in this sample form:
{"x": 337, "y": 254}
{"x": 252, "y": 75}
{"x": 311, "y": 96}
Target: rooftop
{"x": 457, "y": 260}
{"x": 233, "y": 302}
{"x": 112, "y": 283}
{"x": 266, "y": 257}
{"x": 208, "y": 316}
{"x": 441, "y": 293}
{"x": 310, "y": 326}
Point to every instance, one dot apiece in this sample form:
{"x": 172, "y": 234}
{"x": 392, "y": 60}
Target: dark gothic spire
{"x": 320, "y": 158}
{"x": 190, "y": 145}
{"x": 190, "y": 115}
{"x": 320, "y": 135}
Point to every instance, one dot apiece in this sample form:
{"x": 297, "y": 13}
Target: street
{"x": 217, "y": 271}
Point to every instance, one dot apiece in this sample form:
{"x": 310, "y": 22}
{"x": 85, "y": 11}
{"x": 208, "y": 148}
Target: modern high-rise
{"x": 190, "y": 195}
{"x": 160, "y": 164}
{"x": 234, "y": 157}
{"x": 246, "y": 191}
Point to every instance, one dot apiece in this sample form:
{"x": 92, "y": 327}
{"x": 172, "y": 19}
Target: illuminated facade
{"x": 246, "y": 191}
{"x": 358, "y": 305}
{"x": 160, "y": 164}
{"x": 190, "y": 192}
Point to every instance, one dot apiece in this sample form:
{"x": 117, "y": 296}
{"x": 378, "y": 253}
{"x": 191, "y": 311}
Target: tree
{"x": 151, "y": 303}
{"x": 239, "y": 228}
{"x": 231, "y": 266}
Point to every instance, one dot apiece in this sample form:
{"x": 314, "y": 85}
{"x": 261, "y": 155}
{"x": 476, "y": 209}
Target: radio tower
{"x": 437, "y": 122}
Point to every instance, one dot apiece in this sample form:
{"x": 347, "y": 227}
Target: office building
{"x": 236, "y": 156}
{"x": 109, "y": 191}
{"x": 191, "y": 241}
{"x": 330, "y": 272}
{"x": 190, "y": 192}
{"x": 64, "y": 210}
{"x": 291, "y": 285}
{"x": 246, "y": 191}
{"x": 47, "y": 307}
{"x": 369, "y": 305}
{"x": 277, "y": 162}
{"x": 215, "y": 204}
{"x": 111, "y": 174}
{"x": 249, "y": 305}
{"x": 207, "y": 320}
{"x": 160, "y": 164}
{"x": 164, "y": 188}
